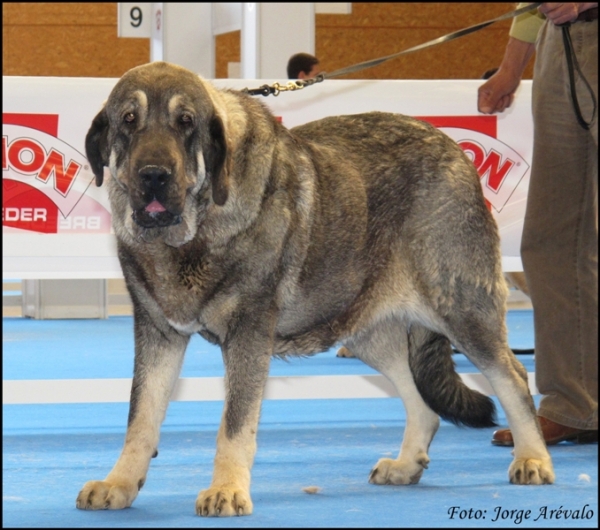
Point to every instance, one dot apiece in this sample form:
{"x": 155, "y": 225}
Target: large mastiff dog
{"x": 367, "y": 230}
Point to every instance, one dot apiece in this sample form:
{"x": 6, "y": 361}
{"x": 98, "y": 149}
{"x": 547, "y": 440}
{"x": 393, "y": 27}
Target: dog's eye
{"x": 129, "y": 118}
{"x": 186, "y": 119}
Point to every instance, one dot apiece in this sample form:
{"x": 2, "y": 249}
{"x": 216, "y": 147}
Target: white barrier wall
{"x": 56, "y": 222}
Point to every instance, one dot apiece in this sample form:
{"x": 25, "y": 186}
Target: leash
{"x": 276, "y": 88}
{"x": 573, "y": 64}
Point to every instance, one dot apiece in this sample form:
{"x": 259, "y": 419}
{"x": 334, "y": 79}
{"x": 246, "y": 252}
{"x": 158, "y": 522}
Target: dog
{"x": 367, "y": 230}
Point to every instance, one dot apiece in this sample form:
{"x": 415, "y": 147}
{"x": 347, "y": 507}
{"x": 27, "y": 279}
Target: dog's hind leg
{"x": 532, "y": 463}
{"x": 158, "y": 358}
{"x": 385, "y": 348}
{"x": 481, "y": 335}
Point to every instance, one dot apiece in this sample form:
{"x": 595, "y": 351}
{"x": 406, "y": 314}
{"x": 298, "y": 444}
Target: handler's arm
{"x": 498, "y": 92}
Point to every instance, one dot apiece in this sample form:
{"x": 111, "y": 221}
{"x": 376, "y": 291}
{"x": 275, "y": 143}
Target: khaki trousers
{"x": 560, "y": 236}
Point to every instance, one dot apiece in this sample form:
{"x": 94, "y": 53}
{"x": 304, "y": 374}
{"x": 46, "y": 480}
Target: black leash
{"x": 277, "y": 88}
{"x": 516, "y": 351}
{"x": 572, "y": 65}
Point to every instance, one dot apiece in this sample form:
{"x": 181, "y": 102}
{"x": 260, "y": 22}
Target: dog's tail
{"x": 430, "y": 360}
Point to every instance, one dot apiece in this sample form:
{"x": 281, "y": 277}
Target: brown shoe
{"x": 553, "y": 433}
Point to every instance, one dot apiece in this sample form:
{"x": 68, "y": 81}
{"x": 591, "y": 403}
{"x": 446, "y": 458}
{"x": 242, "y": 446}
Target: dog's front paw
{"x": 104, "y": 495}
{"x": 388, "y": 471}
{"x": 531, "y": 471}
{"x": 223, "y": 501}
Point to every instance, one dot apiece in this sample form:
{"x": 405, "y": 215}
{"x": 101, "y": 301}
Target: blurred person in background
{"x": 303, "y": 66}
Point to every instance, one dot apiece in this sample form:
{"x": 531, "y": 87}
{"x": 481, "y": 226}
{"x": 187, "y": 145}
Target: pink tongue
{"x": 155, "y": 206}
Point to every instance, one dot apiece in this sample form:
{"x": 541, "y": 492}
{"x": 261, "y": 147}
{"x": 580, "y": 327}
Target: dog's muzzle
{"x": 154, "y": 180}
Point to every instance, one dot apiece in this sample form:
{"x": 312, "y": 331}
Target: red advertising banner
{"x": 45, "y": 180}
{"x": 500, "y": 167}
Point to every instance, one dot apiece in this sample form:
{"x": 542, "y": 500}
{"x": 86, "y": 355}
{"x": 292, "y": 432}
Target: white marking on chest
{"x": 188, "y": 328}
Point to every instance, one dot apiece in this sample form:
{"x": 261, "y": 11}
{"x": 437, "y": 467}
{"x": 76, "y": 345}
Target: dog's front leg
{"x": 158, "y": 358}
{"x": 247, "y": 354}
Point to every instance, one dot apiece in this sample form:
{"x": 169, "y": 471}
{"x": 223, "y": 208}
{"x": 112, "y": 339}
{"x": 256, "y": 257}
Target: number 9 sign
{"x": 134, "y": 19}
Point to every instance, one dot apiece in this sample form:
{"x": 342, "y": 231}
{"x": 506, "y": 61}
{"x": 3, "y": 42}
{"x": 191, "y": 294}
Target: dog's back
{"x": 397, "y": 209}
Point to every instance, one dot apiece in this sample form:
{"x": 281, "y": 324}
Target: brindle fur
{"x": 367, "y": 230}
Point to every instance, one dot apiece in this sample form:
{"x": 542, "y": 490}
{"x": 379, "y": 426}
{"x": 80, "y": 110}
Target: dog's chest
{"x": 192, "y": 311}
{"x": 190, "y": 292}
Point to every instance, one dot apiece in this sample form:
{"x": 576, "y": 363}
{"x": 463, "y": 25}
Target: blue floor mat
{"x": 330, "y": 444}
{"x": 50, "y": 451}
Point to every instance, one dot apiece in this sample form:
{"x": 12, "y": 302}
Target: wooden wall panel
{"x": 453, "y": 60}
{"x": 67, "y": 39}
{"x": 80, "y": 39}
{"x": 58, "y": 13}
{"x": 378, "y": 29}
{"x": 227, "y": 50}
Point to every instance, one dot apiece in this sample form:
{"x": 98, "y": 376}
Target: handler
{"x": 560, "y": 235}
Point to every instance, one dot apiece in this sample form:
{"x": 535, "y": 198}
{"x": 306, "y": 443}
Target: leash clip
{"x": 291, "y": 86}
{"x": 276, "y": 88}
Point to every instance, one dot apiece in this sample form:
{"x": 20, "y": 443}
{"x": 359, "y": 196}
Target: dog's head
{"x": 165, "y": 144}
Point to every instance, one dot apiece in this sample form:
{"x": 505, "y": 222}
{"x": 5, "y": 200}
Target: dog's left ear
{"x": 96, "y": 145}
{"x": 218, "y": 161}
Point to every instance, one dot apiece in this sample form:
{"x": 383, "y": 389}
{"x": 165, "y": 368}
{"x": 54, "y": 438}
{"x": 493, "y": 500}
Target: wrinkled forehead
{"x": 159, "y": 89}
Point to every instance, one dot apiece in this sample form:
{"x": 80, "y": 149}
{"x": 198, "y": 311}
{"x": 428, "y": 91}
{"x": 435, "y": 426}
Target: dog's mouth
{"x": 155, "y": 215}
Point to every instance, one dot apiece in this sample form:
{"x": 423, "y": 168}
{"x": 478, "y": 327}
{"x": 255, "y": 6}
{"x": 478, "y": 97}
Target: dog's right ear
{"x": 96, "y": 145}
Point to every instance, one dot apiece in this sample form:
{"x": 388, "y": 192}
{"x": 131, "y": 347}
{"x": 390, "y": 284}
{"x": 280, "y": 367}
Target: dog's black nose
{"x": 154, "y": 177}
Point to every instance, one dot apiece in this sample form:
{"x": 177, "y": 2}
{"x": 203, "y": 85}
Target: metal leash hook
{"x": 276, "y": 88}
{"x": 299, "y": 84}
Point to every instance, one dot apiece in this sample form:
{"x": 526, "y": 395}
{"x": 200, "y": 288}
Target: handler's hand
{"x": 560, "y": 13}
{"x": 497, "y": 93}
